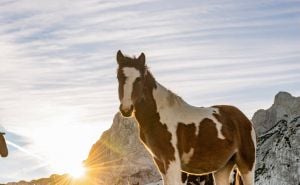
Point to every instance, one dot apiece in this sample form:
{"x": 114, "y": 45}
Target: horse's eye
{"x": 138, "y": 79}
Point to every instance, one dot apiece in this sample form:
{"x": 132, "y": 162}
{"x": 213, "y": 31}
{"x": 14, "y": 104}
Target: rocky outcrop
{"x": 278, "y": 151}
{"x": 119, "y": 157}
{"x": 285, "y": 107}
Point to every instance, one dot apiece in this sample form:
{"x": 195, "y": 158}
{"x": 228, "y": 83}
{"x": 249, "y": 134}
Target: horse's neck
{"x": 157, "y": 99}
{"x": 158, "y": 95}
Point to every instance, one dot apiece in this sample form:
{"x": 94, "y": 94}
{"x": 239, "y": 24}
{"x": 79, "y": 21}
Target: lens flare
{"x": 77, "y": 171}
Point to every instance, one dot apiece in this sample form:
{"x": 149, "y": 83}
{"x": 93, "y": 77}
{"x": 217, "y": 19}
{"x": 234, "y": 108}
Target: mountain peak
{"x": 285, "y": 107}
{"x": 283, "y": 98}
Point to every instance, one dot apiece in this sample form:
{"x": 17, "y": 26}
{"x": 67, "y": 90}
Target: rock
{"x": 285, "y": 107}
{"x": 278, "y": 152}
{"x": 119, "y": 157}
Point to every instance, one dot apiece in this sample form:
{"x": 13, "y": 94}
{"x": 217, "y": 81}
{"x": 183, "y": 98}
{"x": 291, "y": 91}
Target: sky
{"x": 58, "y": 87}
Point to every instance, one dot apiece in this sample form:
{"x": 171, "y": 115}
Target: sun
{"x": 63, "y": 147}
{"x": 77, "y": 172}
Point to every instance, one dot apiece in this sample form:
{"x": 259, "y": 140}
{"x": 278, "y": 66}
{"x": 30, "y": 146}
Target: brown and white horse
{"x": 181, "y": 137}
{"x": 3, "y": 146}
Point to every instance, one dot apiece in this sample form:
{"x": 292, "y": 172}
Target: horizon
{"x": 58, "y": 67}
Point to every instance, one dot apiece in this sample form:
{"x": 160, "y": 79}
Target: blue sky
{"x": 58, "y": 88}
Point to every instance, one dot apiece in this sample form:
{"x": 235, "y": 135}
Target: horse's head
{"x": 131, "y": 77}
{"x": 3, "y": 147}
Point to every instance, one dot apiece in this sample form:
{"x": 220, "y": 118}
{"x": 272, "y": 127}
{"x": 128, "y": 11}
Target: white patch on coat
{"x": 131, "y": 74}
{"x": 180, "y": 111}
{"x": 173, "y": 174}
{"x": 186, "y": 157}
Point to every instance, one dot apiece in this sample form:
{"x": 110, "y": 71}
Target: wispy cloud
{"x": 58, "y": 60}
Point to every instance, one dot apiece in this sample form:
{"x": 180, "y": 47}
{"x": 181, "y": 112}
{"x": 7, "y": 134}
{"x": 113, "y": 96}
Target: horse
{"x": 181, "y": 137}
{"x": 3, "y": 146}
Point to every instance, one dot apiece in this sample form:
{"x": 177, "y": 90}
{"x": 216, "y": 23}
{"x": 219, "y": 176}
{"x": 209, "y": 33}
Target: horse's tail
{"x": 236, "y": 177}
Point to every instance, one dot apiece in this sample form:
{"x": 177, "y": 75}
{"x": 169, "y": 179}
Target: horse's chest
{"x": 159, "y": 140}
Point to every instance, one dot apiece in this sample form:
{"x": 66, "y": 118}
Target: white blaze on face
{"x": 131, "y": 74}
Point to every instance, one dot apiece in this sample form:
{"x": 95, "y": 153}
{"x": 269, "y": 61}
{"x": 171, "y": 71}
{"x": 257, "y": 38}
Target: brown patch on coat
{"x": 153, "y": 133}
{"x": 245, "y": 157}
{"x": 212, "y": 153}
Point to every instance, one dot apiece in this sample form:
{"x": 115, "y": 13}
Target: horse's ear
{"x": 120, "y": 57}
{"x": 142, "y": 58}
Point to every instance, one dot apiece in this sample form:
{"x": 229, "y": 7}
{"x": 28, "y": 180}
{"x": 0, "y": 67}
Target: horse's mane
{"x": 173, "y": 99}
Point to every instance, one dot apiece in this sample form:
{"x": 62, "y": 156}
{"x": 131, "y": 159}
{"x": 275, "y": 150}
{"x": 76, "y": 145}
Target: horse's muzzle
{"x": 126, "y": 112}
